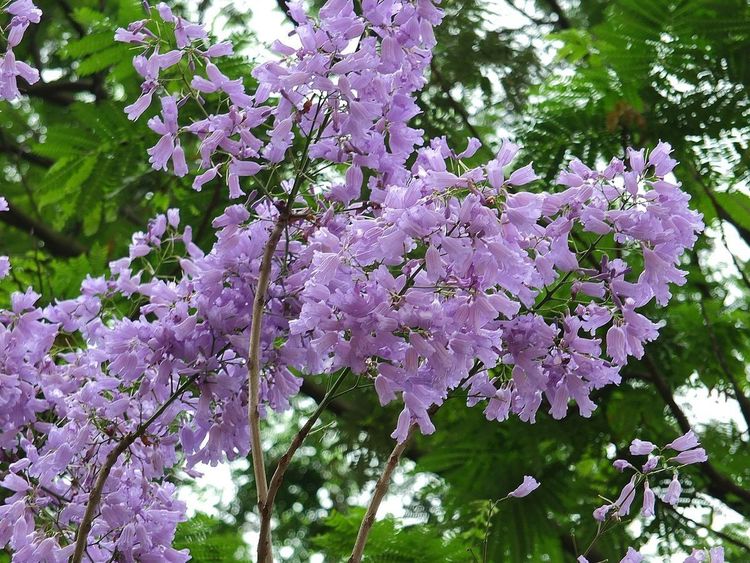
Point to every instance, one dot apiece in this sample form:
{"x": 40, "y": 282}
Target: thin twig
{"x": 254, "y": 352}
{"x": 719, "y": 533}
{"x": 95, "y": 495}
{"x": 285, "y": 460}
{"x": 254, "y": 355}
{"x": 381, "y": 488}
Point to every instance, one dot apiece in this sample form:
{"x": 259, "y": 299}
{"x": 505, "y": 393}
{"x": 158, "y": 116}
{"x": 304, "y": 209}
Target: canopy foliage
{"x": 584, "y": 78}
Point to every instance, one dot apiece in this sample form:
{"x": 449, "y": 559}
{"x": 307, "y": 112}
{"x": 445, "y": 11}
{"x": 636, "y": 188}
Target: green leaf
{"x": 737, "y": 206}
{"x": 102, "y": 59}
{"x": 89, "y": 44}
{"x": 88, "y": 17}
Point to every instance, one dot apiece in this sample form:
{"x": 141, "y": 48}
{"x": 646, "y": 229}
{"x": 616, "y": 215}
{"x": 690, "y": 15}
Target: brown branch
{"x": 286, "y": 459}
{"x": 532, "y": 19}
{"x": 95, "y": 496}
{"x": 719, "y": 485}
{"x": 725, "y": 216}
{"x": 24, "y": 154}
{"x": 318, "y": 393}
{"x": 68, "y": 11}
{"x": 61, "y": 92}
{"x": 254, "y": 352}
{"x": 737, "y": 264}
{"x": 739, "y": 395}
{"x": 562, "y": 20}
{"x": 284, "y": 8}
{"x": 720, "y": 211}
{"x": 381, "y": 488}
{"x": 718, "y": 533}
{"x": 55, "y": 243}
{"x": 569, "y": 545}
{"x": 254, "y": 357}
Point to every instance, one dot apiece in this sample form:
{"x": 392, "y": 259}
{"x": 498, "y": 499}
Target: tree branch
{"x": 720, "y": 211}
{"x": 61, "y": 92}
{"x": 739, "y": 395}
{"x": 562, "y": 20}
{"x": 254, "y": 353}
{"x": 55, "y": 243}
{"x": 95, "y": 496}
{"x": 68, "y": 11}
{"x": 284, "y": 8}
{"x": 24, "y": 154}
{"x": 254, "y": 357}
{"x": 381, "y": 488}
{"x": 569, "y": 545}
{"x": 525, "y": 14}
{"x": 719, "y": 485}
{"x": 318, "y": 393}
{"x": 718, "y": 533}
{"x": 283, "y": 464}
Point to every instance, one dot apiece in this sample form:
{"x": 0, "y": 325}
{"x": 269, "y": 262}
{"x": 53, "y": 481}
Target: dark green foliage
{"x": 582, "y": 79}
{"x": 210, "y": 539}
{"x": 390, "y": 541}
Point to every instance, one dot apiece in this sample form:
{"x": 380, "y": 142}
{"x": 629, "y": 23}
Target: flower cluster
{"x": 355, "y": 103}
{"x": 22, "y": 14}
{"x": 710, "y": 555}
{"x": 685, "y": 450}
{"x": 398, "y": 262}
{"x": 688, "y": 452}
{"x": 4, "y": 260}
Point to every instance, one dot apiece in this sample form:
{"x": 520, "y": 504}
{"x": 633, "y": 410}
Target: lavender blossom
{"x": 529, "y": 484}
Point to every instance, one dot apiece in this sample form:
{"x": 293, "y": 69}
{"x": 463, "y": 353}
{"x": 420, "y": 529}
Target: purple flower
{"x": 674, "y": 490}
{"x": 600, "y": 514}
{"x": 688, "y": 457}
{"x": 621, "y": 464}
{"x": 651, "y": 464}
{"x": 10, "y": 70}
{"x": 184, "y": 31}
{"x": 24, "y": 12}
{"x": 472, "y": 146}
{"x": 391, "y": 54}
{"x": 632, "y": 556}
{"x": 136, "y": 32}
{"x": 617, "y": 344}
{"x": 529, "y": 484}
{"x": 222, "y": 49}
{"x": 637, "y": 160}
{"x": 639, "y": 447}
{"x": 217, "y": 81}
{"x": 207, "y": 176}
{"x": 238, "y": 169}
{"x": 661, "y": 161}
{"x": 149, "y": 69}
{"x": 649, "y": 500}
{"x": 627, "y": 495}
{"x": 696, "y": 556}
{"x": 168, "y": 146}
{"x": 522, "y": 176}
{"x": 506, "y": 153}
{"x": 495, "y": 174}
{"x": 685, "y": 442}
{"x": 4, "y": 267}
